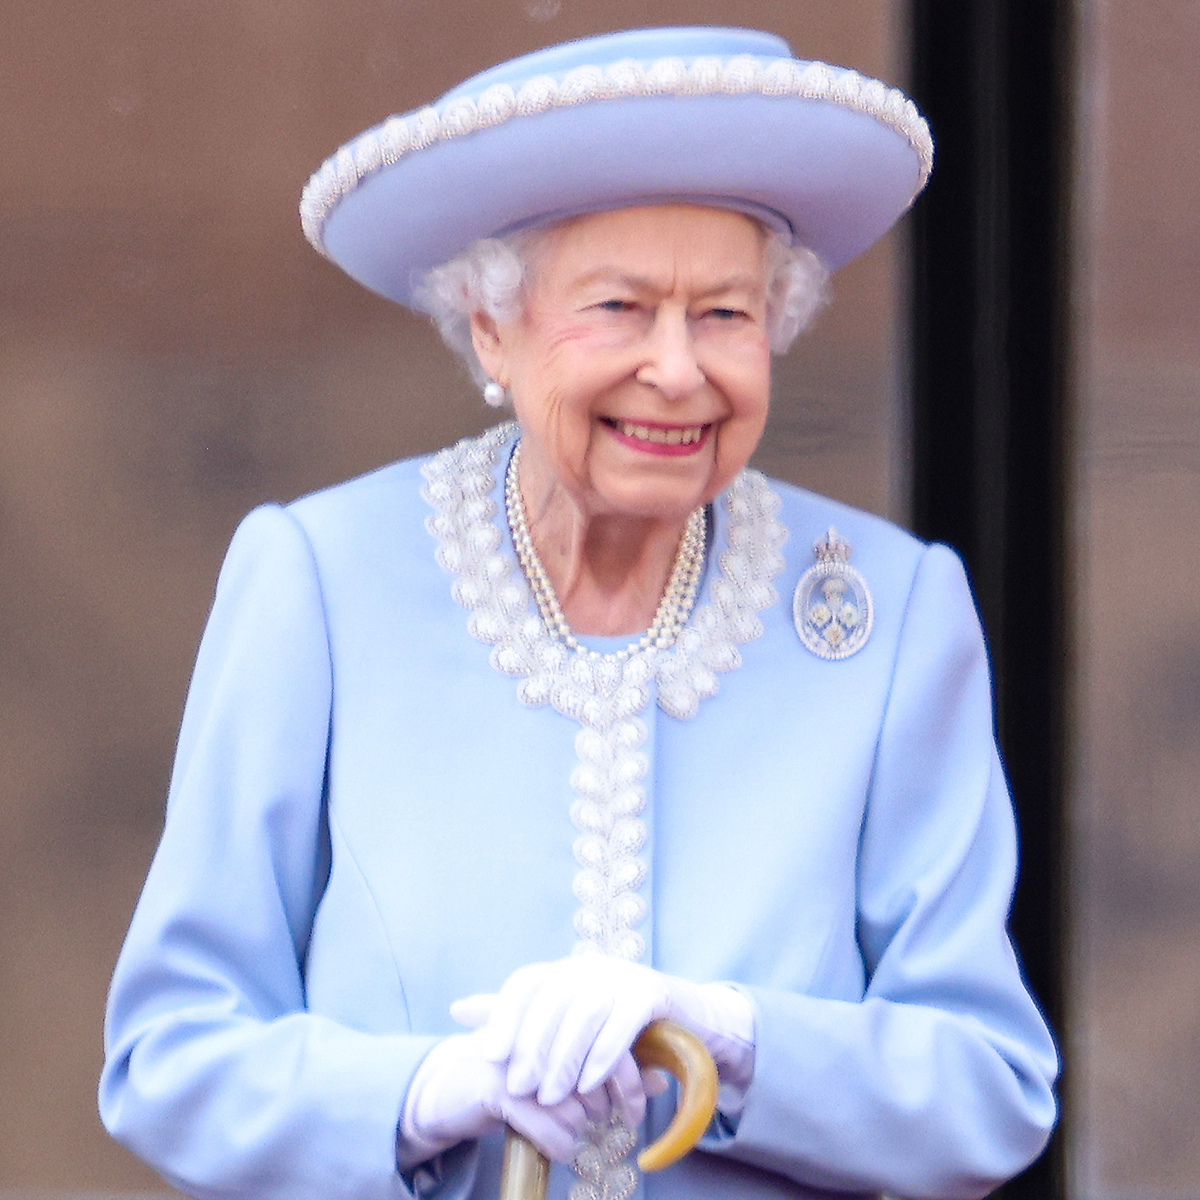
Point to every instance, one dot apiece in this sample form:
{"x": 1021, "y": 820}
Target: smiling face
{"x": 640, "y": 367}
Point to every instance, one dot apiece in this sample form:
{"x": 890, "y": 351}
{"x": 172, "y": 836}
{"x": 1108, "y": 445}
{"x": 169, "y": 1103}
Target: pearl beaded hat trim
{"x": 706, "y": 115}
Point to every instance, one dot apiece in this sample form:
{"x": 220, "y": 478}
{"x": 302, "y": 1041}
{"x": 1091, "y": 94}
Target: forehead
{"x": 661, "y": 243}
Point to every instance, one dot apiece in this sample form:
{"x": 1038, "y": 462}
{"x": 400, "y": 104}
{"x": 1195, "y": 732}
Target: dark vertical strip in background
{"x": 989, "y": 373}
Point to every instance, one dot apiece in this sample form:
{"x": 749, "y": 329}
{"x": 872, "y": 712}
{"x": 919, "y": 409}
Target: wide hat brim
{"x": 717, "y": 116}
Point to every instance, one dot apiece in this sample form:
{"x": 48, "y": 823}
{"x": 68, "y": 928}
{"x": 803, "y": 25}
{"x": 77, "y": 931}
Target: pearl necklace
{"x": 673, "y": 609}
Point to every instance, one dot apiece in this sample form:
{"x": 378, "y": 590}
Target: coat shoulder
{"x": 875, "y": 542}
{"x": 378, "y": 496}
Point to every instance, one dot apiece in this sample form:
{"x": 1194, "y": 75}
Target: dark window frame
{"x": 990, "y": 251}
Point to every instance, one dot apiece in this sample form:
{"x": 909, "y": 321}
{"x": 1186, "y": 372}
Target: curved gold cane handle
{"x": 682, "y": 1054}
{"x": 662, "y": 1044}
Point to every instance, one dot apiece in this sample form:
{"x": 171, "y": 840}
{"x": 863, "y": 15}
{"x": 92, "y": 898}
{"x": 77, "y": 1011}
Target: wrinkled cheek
{"x": 738, "y": 440}
{"x": 568, "y": 433}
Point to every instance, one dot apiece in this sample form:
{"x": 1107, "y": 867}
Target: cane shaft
{"x": 525, "y": 1171}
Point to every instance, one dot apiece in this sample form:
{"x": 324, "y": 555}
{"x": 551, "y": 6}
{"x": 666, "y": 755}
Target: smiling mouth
{"x": 686, "y": 435}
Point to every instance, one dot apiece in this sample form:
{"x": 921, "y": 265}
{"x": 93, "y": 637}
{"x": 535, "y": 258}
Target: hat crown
{"x": 646, "y": 44}
{"x": 704, "y": 115}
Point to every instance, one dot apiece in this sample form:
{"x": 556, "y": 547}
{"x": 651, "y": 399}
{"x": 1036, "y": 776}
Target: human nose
{"x": 671, "y": 365}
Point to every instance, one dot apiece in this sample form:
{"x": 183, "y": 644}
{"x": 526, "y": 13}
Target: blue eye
{"x": 726, "y": 314}
{"x": 615, "y": 305}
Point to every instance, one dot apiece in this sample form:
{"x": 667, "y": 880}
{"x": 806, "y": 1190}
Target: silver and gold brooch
{"x": 832, "y": 605}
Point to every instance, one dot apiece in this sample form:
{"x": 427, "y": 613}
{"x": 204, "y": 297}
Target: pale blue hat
{"x": 715, "y": 116}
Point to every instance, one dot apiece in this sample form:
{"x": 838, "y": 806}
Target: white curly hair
{"x": 492, "y": 275}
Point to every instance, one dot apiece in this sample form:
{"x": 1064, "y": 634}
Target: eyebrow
{"x": 645, "y": 284}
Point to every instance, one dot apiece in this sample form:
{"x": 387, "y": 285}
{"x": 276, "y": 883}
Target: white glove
{"x": 564, "y": 1027}
{"x": 458, "y": 1093}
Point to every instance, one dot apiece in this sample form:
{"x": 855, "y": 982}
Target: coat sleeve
{"x": 215, "y": 1073}
{"x": 938, "y": 1083}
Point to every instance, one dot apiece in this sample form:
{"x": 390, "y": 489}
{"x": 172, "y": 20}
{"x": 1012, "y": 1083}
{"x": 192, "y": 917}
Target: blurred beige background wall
{"x": 1136, "y": 816}
{"x": 172, "y": 353}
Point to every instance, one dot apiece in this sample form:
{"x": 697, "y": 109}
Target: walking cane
{"x": 662, "y": 1044}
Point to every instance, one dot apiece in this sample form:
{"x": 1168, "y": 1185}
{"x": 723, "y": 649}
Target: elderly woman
{"x": 581, "y": 722}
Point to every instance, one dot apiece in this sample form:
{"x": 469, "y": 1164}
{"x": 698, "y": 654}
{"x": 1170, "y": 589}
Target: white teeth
{"x": 661, "y": 437}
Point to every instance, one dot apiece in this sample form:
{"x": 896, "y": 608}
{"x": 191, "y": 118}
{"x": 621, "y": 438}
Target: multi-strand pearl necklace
{"x": 673, "y": 609}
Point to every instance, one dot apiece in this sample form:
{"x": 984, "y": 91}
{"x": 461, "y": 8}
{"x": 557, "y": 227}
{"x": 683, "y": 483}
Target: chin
{"x": 653, "y": 504}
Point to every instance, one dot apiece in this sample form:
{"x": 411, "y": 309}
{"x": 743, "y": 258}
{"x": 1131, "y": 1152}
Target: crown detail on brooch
{"x": 832, "y": 605}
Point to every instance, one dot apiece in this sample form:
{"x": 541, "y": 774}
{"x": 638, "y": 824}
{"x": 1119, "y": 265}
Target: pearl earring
{"x": 493, "y": 394}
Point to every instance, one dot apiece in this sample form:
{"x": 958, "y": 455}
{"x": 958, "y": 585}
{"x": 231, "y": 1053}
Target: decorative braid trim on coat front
{"x": 606, "y": 695}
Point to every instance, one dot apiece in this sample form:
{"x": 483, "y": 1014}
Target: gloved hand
{"x": 565, "y": 1027}
{"x": 458, "y": 1093}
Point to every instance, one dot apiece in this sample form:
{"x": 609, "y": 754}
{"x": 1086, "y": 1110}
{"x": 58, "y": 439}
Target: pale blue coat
{"x": 365, "y": 823}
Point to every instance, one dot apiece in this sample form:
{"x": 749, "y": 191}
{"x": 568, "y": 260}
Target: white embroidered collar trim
{"x": 459, "y": 485}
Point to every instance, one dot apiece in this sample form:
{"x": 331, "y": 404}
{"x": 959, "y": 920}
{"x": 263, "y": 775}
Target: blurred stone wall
{"x": 1136, "y": 957}
{"x": 172, "y": 353}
